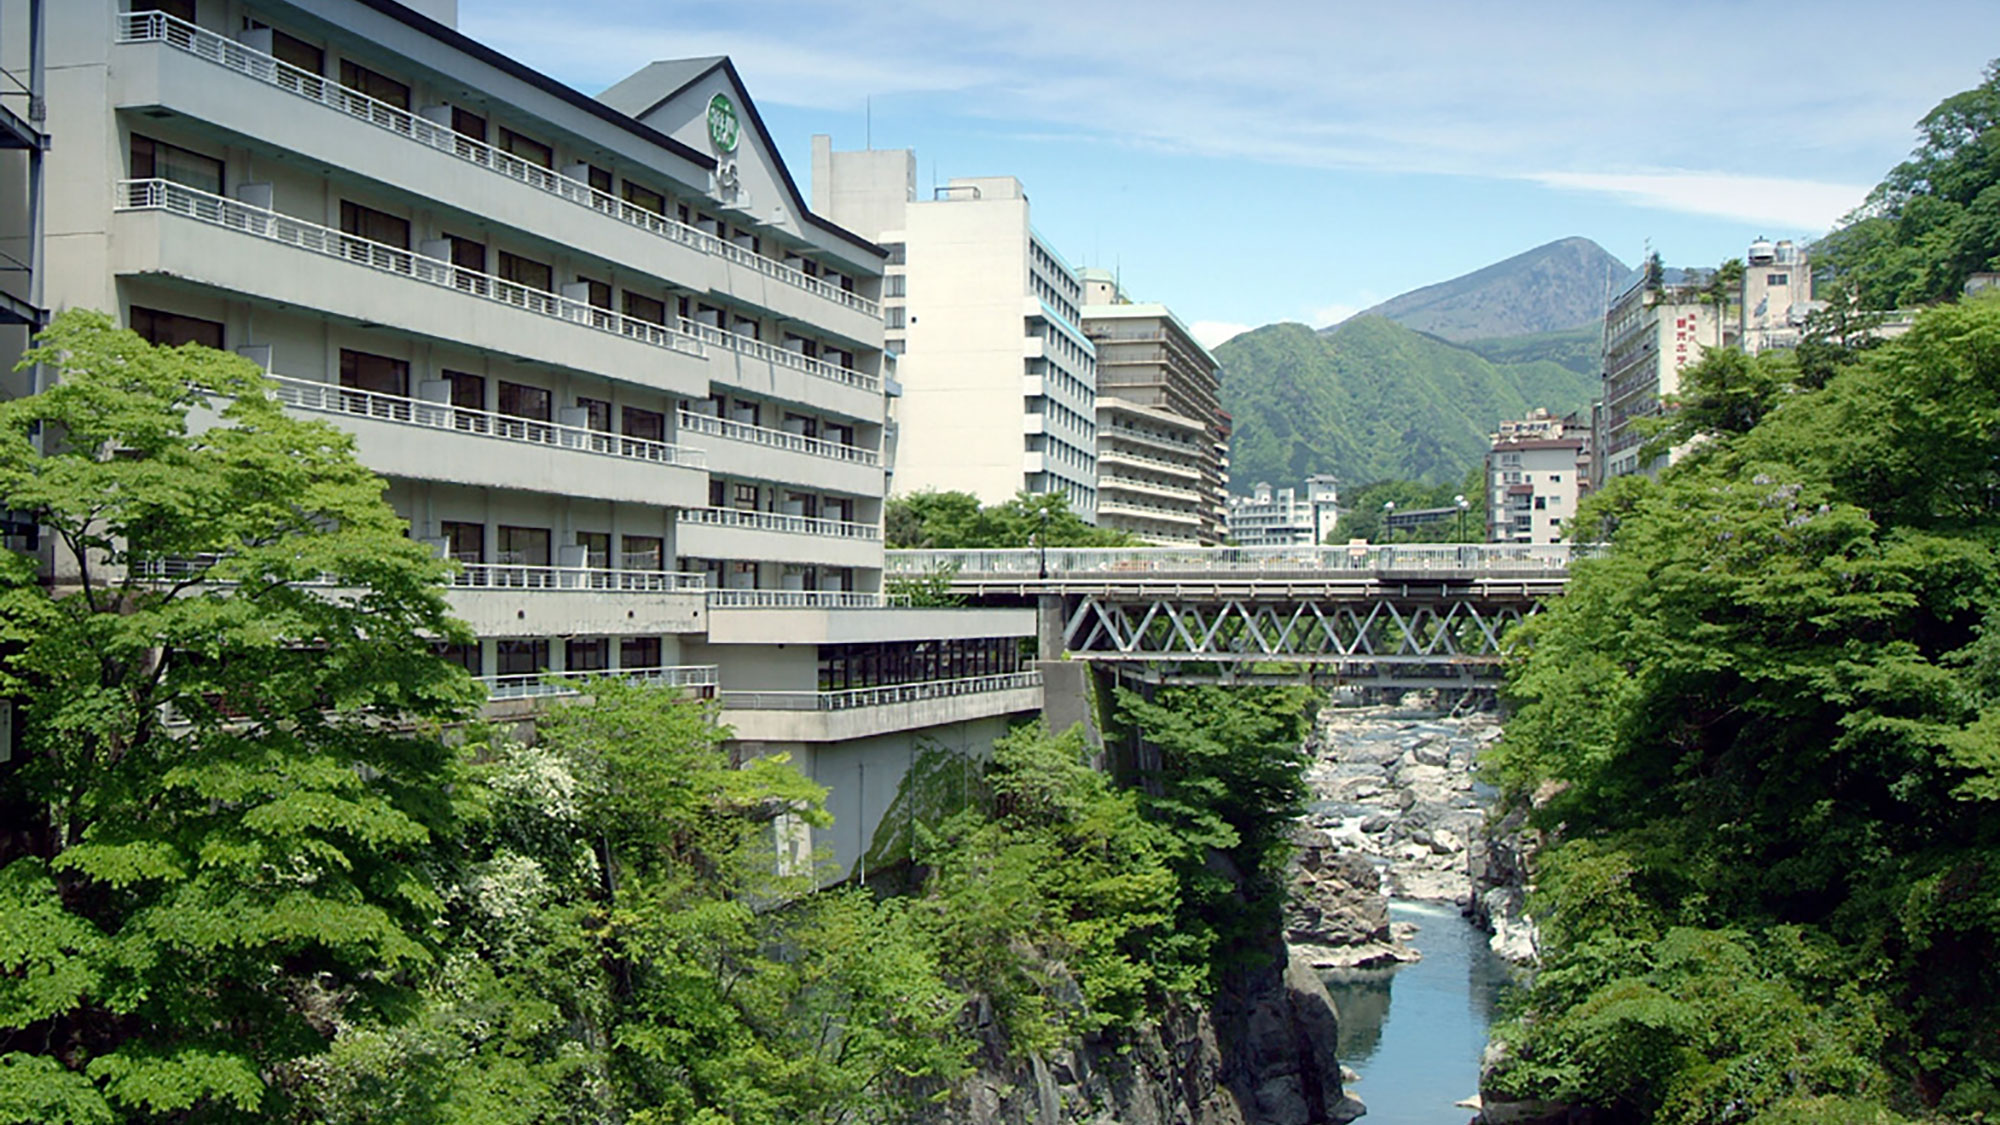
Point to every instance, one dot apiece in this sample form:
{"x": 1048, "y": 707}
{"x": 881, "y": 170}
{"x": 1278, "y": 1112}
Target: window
{"x": 297, "y": 52}
{"x": 591, "y": 655}
{"x": 375, "y": 226}
{"x": 158, "y": 160}
{"x": 518, "y": 400}
{"x": 524, "y": 546}
{"x": 648, "y": 425}
{"x": 597, "y": 413}
{"x": 179, "y": 9}
{"x": 527, "y": 148}
{"x": 468, "y": 257}
{"x": 172, "y": 329}
{"x": 1541, "y": 503}
{"x": 468, "y": 393}
{"x": 465, "y": 656}
{"x": 897, "y": 255}
{"x": 596, "y": 548}
{"x": 381, "y": 87}
{"x": 895, "y": 285}
{"x": 1778, "y": 279}
{"x": 521, "y": 657}
{"x": 467, "y": 123}
{"x": 377, "y": 373}
{"x": 645, "y": 198}
{"x": 599, "y": 292}
{"x": 527, "y": 272}
{"x": 744, "y": 497}
{"x": 895, "y": 316}
{"x": 599, "y": 179}
{"x": 638, "y": 306}
{"x": 639, "y": 652}
{"x": 642, "y": 552}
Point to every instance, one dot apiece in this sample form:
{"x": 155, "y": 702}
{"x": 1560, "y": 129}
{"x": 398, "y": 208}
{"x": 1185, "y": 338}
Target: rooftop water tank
{"x": 1762, "y": 253}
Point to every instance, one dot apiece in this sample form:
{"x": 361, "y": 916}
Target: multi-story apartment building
{"x": 1777, "y": 295}
{"x": 1282, "y": 518}
{"x": 602, "y": 352}
{"x": 23, "y": 142}
{"x": 1159, "y": 416}
{"x": 999, "y": 383}
{"x": 1651, "y": 333}
{"x": 1537, "y": 471}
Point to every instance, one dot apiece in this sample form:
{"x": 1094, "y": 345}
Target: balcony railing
{"x": 802, "y": 599}
{"x": 1113, "y": 505}
{"x": 1187, "y": 468}
{"x": 529, "y": 576}
{"x": 700, "y": 677}
{"x": 782, "y": 357}
{"x": 158, "y": 27}
{"x": 230, "y": 214}
{"x": 692, "y": 422}
{"x": 308, "y": 395}
{"x": 779, "y": 521}
{"x": 876, "y": 696}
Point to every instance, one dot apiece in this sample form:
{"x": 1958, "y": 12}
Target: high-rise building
{"x": 602, "y": 351}
{"x": 1159, "y": 421}
{"x": 1280, "y": 517}
{"x": 999, "y": 382}
{"x": 1652, "y": 332}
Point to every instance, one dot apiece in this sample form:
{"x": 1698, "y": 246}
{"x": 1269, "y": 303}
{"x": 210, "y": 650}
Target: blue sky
{"x": 1250, "y": 162}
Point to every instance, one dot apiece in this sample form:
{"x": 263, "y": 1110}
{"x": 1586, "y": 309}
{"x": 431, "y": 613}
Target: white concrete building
{"x": 999, "y": 383}
{"x": 1159, "y": 420}
{"x": 1651, "y": 334}
{"x": 1777, "y": 296}
{"x": 1537, "y": 471}
{"x": 603, "y": 352}
{"x": 1282, "y": 518}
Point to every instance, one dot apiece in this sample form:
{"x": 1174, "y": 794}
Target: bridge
{"x": 1392, "y": 616}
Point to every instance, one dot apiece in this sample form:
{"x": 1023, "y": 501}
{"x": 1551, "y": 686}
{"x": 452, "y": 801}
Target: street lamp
{"x": 1463, "y": 504}
{"x": 1388, "y": 509}
{"x": 1042, "y": 544}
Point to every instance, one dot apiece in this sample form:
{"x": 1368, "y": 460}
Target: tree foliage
{"x": 1761, "y": 736}
{"x": 218, "y": 815}
{"x": 1363, "y": 515}
{"x": 1935, "y": 218}
{"x": 947, "y": 521}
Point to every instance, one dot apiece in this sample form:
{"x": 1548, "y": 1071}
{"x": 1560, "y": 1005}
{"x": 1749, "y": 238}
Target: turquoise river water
{"x": 1414, "y": 1034}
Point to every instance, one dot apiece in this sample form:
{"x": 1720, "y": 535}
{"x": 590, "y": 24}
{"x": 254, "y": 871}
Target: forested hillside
{"x": 1373, "y": 401}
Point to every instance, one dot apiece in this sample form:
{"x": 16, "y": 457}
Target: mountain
{"x": 1374, "y": 400}
{"x": 1547, "y": 289}
{"x": 1581, "y": 349}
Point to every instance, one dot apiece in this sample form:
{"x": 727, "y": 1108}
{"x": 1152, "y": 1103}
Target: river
{"x": 1414, "y": 1034}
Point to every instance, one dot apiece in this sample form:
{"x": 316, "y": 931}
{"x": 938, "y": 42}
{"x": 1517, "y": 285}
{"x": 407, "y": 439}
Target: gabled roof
{"x": 658, "y": 83}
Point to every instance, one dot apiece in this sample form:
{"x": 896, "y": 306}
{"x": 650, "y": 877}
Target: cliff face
{"x": 1261, "y": 1054}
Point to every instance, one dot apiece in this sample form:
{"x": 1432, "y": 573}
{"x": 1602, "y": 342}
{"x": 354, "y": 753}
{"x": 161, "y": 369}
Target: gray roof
{"x": 640, "y": 92}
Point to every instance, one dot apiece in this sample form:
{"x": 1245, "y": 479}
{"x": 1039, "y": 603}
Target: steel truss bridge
{"x": 1396, "y": 617}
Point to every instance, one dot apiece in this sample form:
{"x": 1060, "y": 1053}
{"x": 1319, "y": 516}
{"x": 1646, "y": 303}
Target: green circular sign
{"x": 722, "y": 126}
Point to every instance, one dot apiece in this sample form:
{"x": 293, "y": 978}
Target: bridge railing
{"x": 1165, "y": 563}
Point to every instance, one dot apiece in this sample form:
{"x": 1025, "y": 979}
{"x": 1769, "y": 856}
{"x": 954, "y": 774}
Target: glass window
{"x": 377, "y": 373}
{"x": 524, "y": 546}
{"x": 638, "y": 306}
{"x": 297, "y": 52}
{"x": 596, "y": 547}
{"x": 465, "y": 656}
{"x": 158, "y": 160}
{"x": 467, "y": 123}
{"x": 518, "y": 400}
{"x": 521, "y": 657}
{"x": 381, "y": 87}
{"x": 465, "y": 542}
{"x": 527, "y": 148}
{"x": 597, "y": 413}
{"x": 589, "y": 655}
{"x": 643, "y": 552}
{"x": 650, "y": 425}
{"x": 639, "y": 652}
{"x": 373, "y": 225}
{"x": 527, "y": 271}
{"x": 179, "y": 9}
{"x": 172, "y": 330}
{"x": 645, "y": 198}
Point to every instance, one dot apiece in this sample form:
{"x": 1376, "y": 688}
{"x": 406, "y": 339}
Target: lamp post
{"x": 1463, "y": 504}
{"x": 1388, "y": 509}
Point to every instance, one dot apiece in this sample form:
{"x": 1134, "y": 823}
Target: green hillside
{"x": 1373, "y": 400}
{"x": 1580, "y": 349}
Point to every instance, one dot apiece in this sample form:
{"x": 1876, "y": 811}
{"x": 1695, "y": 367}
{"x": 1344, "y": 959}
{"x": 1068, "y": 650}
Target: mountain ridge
{"x": 1552, "y": 287}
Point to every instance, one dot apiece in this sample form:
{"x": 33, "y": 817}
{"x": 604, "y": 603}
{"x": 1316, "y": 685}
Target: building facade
{"x": 1281, "y": 517}
{"x": 998, "y": 380}
{"x": 1777, "y": 296}
{"x": 601, "y": 350}
{"x": 1159, "y": 421}
{"x": 1537, "y": 471}
{"x": 1652, "y": 333}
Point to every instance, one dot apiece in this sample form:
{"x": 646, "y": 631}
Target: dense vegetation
{"x": 1933, "y": 220}
{"x": 1365, "y": 511}
{"x": 948, "y": 521}
{"x": 258, "y": 867}
{"x": 1373, "y": 401}
{"x": 1760, "y": 737}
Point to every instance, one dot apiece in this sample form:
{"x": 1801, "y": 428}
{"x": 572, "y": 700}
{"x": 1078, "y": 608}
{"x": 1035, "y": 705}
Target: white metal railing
{"x": 779, "y": 521}
{"x": 1153, "y": 511}
{"x": 306, "y": 394}
{"x": 530, "y": 685}
{"x": 216, "y": 210}
{"x": 1130, "y": 434}
{"x": 1183, "y": 468}
{"x": 1108, "y": 482}
{"x": 802, "y": 599}
{"x": 876, "y": 696}
{"x": 782, "y": 357}
{"x": 1203, "y": 563}
{"x": 530, "y": 576}
{"x": 159, "y": 27}
{"x": 694, "y": 422}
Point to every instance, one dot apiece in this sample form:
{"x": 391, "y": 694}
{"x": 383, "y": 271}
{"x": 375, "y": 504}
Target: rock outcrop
{"x": 1263, "y": 1054}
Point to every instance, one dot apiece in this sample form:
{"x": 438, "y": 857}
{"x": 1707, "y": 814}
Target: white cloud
{"x": 1328, "y": 315}
{"x": 1209, "y": 333}
{"x": 1787, "y": 204}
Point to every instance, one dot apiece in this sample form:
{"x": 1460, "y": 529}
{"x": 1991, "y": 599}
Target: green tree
{"x": 1935, "y": 218}
{"x": 222, "y": 794}
{"x": 948, "y": 521}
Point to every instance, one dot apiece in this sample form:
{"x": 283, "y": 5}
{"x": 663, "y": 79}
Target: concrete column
{"x": 1051, "y": 617}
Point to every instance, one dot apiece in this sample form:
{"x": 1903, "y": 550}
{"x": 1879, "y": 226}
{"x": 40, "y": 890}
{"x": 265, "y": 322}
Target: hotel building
{"x": 600, "y": 349}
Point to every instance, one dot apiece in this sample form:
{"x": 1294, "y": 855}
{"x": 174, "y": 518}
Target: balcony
{"x": 779, "y": 617}
{"x": 422, "y": 440}
{"x": 1108, "y": 455}
{"x": 801, "y": 599}
{"x": 730, "y": 533}
{"x": 334, "y": 290}
{"x": 160, "y": 28}
{"x": 769, "y": 371}
{"x": 836, "y": 716}
{"x": 520, "y": 600}
{"x": 1111, "y": 506}
{"x": 699, "y": 679}
{"x": 741, "y": 449}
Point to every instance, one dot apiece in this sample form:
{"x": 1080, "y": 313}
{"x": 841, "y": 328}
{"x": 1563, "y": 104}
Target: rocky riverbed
{"x": 1396, "y": 811}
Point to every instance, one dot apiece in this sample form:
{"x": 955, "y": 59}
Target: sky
{"x": 1250, "y": 161}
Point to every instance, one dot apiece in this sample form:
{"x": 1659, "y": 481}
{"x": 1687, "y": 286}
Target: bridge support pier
{"x": 1051, "y": 622}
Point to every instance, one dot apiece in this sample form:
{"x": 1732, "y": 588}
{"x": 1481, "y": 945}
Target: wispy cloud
{"x": 1569, "y": 93}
